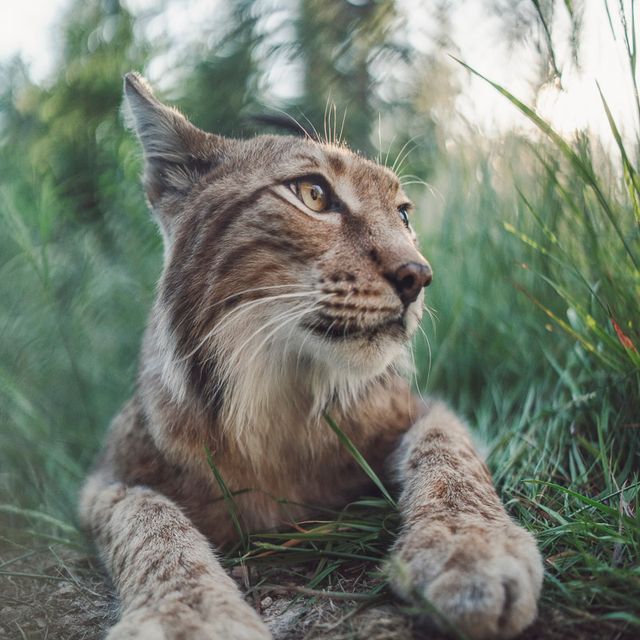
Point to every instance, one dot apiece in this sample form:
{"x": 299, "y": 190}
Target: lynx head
{"x": 292, "y": 276}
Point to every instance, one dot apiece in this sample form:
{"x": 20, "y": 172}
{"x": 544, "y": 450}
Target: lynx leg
{"x": 170, "y": 583}
{"x": 458, "y": 548}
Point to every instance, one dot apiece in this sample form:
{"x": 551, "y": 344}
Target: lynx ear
{"x": 176, "y": 153}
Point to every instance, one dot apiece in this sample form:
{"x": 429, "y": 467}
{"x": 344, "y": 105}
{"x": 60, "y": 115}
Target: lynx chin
{"x": 291, "y": 286}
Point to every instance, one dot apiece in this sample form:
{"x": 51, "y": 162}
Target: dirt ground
{"x": 53, "y": 594}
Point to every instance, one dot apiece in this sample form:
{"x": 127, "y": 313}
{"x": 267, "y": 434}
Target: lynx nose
{"x": 409, "y": 279}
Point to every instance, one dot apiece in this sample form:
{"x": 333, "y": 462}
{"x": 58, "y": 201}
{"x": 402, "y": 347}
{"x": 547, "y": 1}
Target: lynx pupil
{"x": 313, "y": 196}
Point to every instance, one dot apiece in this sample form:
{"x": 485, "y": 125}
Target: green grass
{"x": 535, "y": 245}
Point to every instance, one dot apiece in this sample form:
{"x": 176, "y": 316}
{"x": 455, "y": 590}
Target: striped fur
{"x": 268, "y": 314}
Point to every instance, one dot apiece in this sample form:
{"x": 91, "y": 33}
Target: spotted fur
{"x": 268, "y": 314}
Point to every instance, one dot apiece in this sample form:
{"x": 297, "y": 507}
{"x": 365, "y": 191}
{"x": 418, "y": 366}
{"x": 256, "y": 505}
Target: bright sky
{"x": 26, "y": 27}
{"x": 579, "y": 105}
{"x": 29, "y": 28}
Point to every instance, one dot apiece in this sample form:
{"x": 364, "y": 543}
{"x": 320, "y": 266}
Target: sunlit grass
{"x": 535, "y": 246}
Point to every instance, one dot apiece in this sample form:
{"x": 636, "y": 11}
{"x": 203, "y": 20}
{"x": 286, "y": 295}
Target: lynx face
{"x": 286, "y": 259}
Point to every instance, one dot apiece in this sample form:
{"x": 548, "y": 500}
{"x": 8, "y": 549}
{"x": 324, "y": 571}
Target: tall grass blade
{"x": 228, "y": 499}
{"x": 359, "y": 458}
{"x": 584, "y": 171}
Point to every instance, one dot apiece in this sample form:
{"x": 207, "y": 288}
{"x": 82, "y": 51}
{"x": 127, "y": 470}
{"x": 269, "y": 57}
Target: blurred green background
{"x": 533, "y": 236}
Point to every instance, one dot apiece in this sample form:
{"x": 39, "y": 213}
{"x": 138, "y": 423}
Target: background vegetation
{"x": 534, "y": 239}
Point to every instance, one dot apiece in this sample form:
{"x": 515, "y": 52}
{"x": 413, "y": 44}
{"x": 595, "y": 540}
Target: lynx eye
{"x": 403, "y": 211}
{"x": 313, "y": 193}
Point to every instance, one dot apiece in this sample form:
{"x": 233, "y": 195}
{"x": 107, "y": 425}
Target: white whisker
{"x": 315, "y": 131}
{"x": 400, "y": 158}
{"x": 386, "y": 158}
{"x": 433, "y": 316}
{"x": 296, "y": 315}
{"x": 324, "y": 119}
{"x": 344, "y": 117}
{"x": 226, "y": 363}
{"x": 244, "y": 307}
{"x": 379, "y": 156}
{"x": 428, "y": 343}
{"x": 309, "y": 334}
{"x": 302, "y": 129}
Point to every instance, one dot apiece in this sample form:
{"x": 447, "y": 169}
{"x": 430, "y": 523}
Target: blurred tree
{"x": 334, "y": 47}
{"x": 422, "y": 115}
{"x": 72, "y": 209}
{"x": 534, "y": 21}
{"x": 338, "y": 44}
{"x": 225, "y": 80}
{"x": 70, "y": 126}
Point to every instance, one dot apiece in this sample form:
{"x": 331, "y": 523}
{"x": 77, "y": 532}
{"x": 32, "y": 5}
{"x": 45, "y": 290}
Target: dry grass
{"x": 52, "y": 593}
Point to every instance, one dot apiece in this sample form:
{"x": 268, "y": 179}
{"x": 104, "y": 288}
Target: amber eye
{"x": 313, "y": 194}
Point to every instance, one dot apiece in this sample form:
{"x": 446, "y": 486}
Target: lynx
{"x": 291, "y": 287}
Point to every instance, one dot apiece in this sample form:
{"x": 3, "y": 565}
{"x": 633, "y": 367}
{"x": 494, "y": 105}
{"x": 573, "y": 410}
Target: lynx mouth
{"x": 333, "y": 329}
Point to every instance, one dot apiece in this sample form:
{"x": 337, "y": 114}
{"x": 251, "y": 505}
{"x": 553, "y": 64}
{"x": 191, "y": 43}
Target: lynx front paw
{"x": 484, "y": 580}
{"x": 181, "y": 623}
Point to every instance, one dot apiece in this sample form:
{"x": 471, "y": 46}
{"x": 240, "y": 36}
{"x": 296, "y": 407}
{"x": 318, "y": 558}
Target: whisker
{"x": 401, "y": 163}
{"x": 280, "y": 320}
{"x": 315, "y": 131}
{"x": 210, "y": 307}
{"x": 344, "y": 117}
{"x": 298, "y": 314}
{"x": 286, "y": 343}
{"x": 423, "y": 183}
{"x": 404, "y": 146}
{"x": 246, "y": 306}
{"x": 414, "y": 373}
{"x": 413, "y": 176}
{"x": 265, "y": 299}
{"x": 400, "y": 158}
{"x": 378, "y": 157}
{"x": 350, "y": 294}
{"x": 428, "y": 343}
{"x": 309, "y": 334}
{"x": 386, "y": 158}
{"x": 433, "y": 316}
{"x": 409, "y": 179}
{"x": 238, "y": 294}
{"x": 408, "y": 183}
{"x": 229, "y": 364}
{"x": 303, "y": 129}
{"x": 324, "y": 118}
